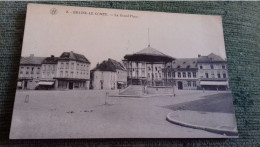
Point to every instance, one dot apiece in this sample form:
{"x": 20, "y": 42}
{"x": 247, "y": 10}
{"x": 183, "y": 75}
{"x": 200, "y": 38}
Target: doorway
{"x": 25, "y": 84}
{"x": 180, "y": 85}
{"x": 70, "y": 85}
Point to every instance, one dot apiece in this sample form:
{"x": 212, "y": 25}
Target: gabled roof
{"x": 31, "y": 60}
{"x": 73, "y": 56}
{"x": 50, "y": 60}
{"x": 109, "y": 65}
{"x": 185, "y": 63}
{"x": 149, "y": 54}
{"x": 210, "y": 58}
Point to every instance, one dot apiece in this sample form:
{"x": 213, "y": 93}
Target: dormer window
{"x": 178, "y": 66}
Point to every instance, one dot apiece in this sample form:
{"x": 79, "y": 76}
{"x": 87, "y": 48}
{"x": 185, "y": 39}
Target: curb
{"x": 209, "y": 129}
{"x": 141, "y": 96}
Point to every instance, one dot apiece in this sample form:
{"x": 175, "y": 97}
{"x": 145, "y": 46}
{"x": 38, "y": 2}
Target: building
{"x": 110, "y": 74}
{"x": 183, "y": 74}
{"x": 146, "y": 67}
{"x": 29, "y": 72}
{"x": 212, "y": 72}
{"x": 48, "y": 73}
{"x": 73, "y": 71}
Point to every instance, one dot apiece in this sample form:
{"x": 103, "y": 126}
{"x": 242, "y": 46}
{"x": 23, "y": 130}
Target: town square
{"x": 80, "y": 113}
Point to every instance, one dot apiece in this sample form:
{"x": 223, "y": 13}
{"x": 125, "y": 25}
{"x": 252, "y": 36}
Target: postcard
{"x": 108, "y": 73}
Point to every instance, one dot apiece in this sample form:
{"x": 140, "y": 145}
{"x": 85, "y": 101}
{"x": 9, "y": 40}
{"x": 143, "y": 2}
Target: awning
{"x": 19, "y": 84}
{"x": 215, "y": 83}
{"x": 45, "y": 83}
{"x": 120, "y": 82}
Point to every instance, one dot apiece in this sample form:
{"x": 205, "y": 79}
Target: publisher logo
{"x": 53, "y": 11}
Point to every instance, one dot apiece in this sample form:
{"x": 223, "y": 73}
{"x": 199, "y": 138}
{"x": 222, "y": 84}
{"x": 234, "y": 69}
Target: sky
{"x": 100, "y": 34}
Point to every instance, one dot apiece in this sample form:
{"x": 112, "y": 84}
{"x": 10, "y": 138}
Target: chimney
{"x": 31, "y": 55}
{"x": 52, "y": 56}
{"x": 199, "y": 55}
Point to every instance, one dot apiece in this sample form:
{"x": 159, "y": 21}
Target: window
{"x": 223, "y": 67}
{"x": 194, "y": 84}
{"x": 66, "y": 73}
{"x": 224, "y": 75}
{"x": 211, "y": 66}
{"x": 71, "y": 74}
{"x": 27, "y": 67}
{"x": 179, "y": 74}
{"x": 61, "y": 65}
{"x": 67, "y": 65}
{"x": 212, "y": 74}
{"x": 169, "y": 74}
{"x": 207, "y": 75}
{"x": 27, "y": 72}
{"x": 173, "y": 74}
{"x": 189, "y": 74}
{"x": 77, "y": 66}
{"x": 201, "y": 67}
{"x": 156, "y": 76}
{"x": 219, "y": 75}
{"x": 189, "y": 83}
{"x": 155, "y": 68}
{"x": 61, "y": 73}
{"x": 22, "y": 67}
{"x": 184, "y": 74}
{"x": 149, "y": 68}
{"x": 194, "y": 74}
{"x": 21, "y": 72}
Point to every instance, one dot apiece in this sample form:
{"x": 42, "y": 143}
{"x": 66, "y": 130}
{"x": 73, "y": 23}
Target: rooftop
{"x": 149, "y": 54}
{"x": 185, "y": 63}
{"x": 31, "y": 60}
{"x": 210, "y": 58}
{"x": 50, "y": 60}
{"x": 74, "y": 56}
{"x": 109, "y": 65}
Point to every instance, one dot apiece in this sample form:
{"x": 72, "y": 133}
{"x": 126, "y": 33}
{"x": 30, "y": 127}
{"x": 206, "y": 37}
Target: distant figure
{"x": 26, "y": 99}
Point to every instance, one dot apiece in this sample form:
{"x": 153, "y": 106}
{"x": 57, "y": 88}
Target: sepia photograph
{"x": 109, "y": 73}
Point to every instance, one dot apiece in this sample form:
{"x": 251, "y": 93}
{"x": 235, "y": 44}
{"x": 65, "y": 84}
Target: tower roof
{"x": 149, "y": 54}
